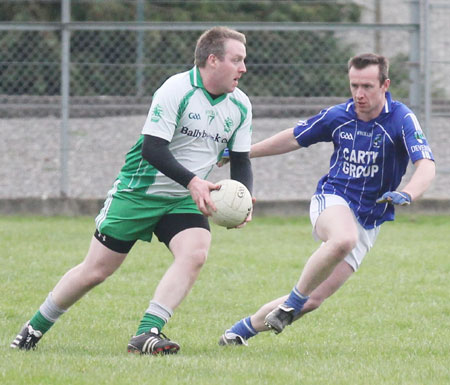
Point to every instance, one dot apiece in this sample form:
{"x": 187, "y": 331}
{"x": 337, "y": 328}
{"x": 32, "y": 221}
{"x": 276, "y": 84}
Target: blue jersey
{"x": 369, "y": 158}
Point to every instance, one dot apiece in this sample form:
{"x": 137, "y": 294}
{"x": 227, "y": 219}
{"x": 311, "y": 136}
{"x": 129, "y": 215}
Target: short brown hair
{"x": 366, "y": 59}
{"x": 212, "y": 41}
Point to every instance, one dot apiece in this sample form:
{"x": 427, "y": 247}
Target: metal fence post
{"x": 414, "y": 60}
{"x": 65, "y": 92}
{"x": 426, "y": 68}
{"x": 378, "y": 20}
{"x": 140, "y": 50}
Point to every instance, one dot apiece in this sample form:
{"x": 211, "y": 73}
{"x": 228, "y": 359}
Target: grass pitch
{"x": 389, "y": 324}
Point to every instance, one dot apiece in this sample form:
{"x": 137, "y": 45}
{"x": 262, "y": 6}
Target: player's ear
{"x": 212, "y": 59}
{"x": 386, "y": 84}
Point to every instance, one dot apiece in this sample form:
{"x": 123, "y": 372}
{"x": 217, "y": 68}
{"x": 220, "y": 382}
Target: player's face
{"x": 368, "y": 94}
{"x": 229, "y": 70}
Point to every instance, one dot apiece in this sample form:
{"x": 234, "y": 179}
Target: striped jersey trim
{"x": 249, "y": 328}
{"x": 321, "y": 202}
{"x": 104, "y": 211}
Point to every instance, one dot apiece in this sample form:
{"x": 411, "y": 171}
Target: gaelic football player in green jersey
{"x": 161, "y": 190}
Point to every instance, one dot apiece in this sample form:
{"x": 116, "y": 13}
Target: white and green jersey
{"x": 198, "y": 128}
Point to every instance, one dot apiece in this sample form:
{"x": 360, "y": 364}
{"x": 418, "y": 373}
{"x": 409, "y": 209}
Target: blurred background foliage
{"x": 280, "y": 63}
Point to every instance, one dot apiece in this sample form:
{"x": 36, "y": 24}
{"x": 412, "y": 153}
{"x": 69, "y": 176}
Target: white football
{"x": 233, "y": 202}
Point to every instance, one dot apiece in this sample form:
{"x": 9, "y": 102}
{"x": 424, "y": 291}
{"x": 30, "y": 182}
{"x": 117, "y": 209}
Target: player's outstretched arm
{"x": 277, "y": 144}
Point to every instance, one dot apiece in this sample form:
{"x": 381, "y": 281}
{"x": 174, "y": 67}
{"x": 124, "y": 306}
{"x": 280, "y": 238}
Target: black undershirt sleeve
{"x": 241, "y": 169}
{"x": 155, "y": 151}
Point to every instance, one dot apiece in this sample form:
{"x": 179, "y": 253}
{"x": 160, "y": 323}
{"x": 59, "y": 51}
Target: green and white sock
{"x": 47, "y": 315}
{"x": 156, "y": 316}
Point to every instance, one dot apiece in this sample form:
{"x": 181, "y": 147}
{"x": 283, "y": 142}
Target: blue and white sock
{"x": 243, "y": 328}
{"x": 296, "y": 300}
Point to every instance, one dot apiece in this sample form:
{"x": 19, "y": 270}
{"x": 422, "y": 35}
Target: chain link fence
{"x": 115, "y": 67}
{"x": 67, "y": 69}
{"x": 437, "y": 53}
{"x": 128, "y": 60}
{"x": 110, "y": 76}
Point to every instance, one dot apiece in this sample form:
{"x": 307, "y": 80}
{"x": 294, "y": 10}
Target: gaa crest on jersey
{"x": 228, "y": 124}
{"x": 377, "y": 141}
{"x": 157, "y": 113}
{"x": 419, "y": 136}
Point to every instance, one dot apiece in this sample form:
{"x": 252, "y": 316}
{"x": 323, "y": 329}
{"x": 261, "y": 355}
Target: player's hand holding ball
{"x": 233, "y": 203}
{"x": 400, "y": 198}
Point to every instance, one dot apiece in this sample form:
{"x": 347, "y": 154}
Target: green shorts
{"x": 129, "y": 215}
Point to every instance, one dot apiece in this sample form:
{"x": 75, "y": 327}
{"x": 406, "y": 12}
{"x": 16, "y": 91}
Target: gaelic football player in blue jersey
{"x": 374, "y": 138}
{"x": 162, "y": 190}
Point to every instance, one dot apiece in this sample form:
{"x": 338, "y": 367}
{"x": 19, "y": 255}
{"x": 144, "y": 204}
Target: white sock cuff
{"x": 50, "y": 310}
{"x": 298, "y": 294}
{"x": 160, "y": 310}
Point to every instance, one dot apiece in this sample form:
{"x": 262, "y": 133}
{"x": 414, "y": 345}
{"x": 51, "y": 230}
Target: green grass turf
{"x": 389, "y": 324}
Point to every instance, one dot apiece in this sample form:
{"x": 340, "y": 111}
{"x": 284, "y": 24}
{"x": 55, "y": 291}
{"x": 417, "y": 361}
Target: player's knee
{"x": 344, "y": 245}
{"x": 348, "y": 243}
{"x": 94, "y": 276}
{"x": 197, "y": 258}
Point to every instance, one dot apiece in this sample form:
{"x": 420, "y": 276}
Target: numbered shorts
{"x": 129, "y": 215}
{"x": 366, "y": 237}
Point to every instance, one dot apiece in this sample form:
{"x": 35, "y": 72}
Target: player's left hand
{"x": 396, "y": 198}
{"x": 248, "y": 219}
